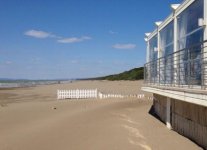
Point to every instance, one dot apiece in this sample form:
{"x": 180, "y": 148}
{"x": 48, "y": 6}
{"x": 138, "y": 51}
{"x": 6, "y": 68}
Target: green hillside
{"x": 134, "y": 74}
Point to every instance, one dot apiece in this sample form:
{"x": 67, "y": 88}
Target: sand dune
{"x": 29, "y": 122}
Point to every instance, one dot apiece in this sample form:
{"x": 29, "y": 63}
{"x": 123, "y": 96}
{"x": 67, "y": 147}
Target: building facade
{"x": 176, "y": 69}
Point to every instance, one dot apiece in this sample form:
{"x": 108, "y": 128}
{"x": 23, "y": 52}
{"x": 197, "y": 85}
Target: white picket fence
{"x": 92, "y": 93}
{"x": 103, "y": 96}
{"x": 77, "y": 94}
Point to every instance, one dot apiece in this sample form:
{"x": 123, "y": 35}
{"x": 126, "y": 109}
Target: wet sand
{"x": 28, "y": 120}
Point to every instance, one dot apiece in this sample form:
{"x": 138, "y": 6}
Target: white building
{"x": 176, "y": 69}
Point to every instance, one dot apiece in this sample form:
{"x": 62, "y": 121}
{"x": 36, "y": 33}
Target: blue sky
{"x": 75, "y": 38}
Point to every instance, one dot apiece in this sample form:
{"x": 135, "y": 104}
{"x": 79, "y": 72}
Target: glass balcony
{"x": 186, "y": 68}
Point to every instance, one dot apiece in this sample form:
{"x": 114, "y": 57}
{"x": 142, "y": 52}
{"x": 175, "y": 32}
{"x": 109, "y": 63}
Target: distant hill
{"x": 133, "y": 74}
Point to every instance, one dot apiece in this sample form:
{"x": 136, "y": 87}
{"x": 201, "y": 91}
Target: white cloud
{"x": 8, "y": 62}
{"x": 112, "y": 32}
{"x": 124, "y": 46}
{"x": 74, "y": 39}
{"x": 40, "y": 34}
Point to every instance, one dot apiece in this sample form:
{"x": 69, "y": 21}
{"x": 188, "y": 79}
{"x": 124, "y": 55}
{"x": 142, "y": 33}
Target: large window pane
{"x": 166, "y": 39}
{"x": 153, "y": 56}
{"x": 166, "y": 46}
{"x": 190, "y": 35}
{"x": 153, "y": 48}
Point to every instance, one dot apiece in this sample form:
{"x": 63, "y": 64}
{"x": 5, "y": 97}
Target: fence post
{"x": 76, "y": 94}
{"x": 96, "y": 93}
{"x": 58, "y": 94}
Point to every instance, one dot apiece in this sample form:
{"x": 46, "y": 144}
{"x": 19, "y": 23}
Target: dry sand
{"x": 29, "y": 122}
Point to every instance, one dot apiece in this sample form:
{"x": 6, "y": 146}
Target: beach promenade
{"x": 33, "y": 119}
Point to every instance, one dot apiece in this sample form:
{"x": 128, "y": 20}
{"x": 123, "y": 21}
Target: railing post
{"x": 145, "y": 73}
{"x": 188, "y": 68}
{"x": 159, "y": 71}
{"x": 179, "y": 61}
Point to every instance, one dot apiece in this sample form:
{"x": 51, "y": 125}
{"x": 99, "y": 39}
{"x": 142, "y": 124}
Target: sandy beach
{"x": 28, "y": 120}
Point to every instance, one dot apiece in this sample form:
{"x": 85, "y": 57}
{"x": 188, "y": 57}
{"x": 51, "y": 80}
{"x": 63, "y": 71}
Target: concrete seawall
{"x": 187, "y": 119}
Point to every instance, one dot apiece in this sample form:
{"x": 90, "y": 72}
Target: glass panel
{"x": 189, "y": 35}
{"x": 153, "y": 56}
{"x": 166, "y": 39}
{"x": 153, "y": 48}
{"x": 166, "y": 46}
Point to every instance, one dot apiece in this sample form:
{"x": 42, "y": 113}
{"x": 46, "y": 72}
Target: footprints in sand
{"x": 134, "y": 132}
{"x": 127, "y": 119}
{"x": 142, "y": 144}
{"x": 135, "y": 136}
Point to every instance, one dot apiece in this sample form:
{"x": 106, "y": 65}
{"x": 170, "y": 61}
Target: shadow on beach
{"x": 153, "y": 113}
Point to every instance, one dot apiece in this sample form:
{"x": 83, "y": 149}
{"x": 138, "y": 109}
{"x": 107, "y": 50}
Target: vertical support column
{"x": 147, "y": 71}
{"x": 175, "y": 56}
{"x": 168, "y": 113}
{"x": 159, "y": 54}
{"x": 148, "y": 52}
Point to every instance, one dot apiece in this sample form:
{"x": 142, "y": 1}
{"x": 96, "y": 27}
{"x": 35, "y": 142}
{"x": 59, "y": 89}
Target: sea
{"x": 29, "y": 83}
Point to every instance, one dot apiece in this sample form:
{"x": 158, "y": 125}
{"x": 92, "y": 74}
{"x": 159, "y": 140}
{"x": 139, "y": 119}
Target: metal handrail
{"x": 184, "y": 68}
{"x": 192, "y": 46}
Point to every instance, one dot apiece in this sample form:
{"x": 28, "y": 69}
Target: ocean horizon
{"x": 29, "y": 83}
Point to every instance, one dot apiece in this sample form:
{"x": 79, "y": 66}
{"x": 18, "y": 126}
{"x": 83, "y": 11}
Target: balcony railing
{"x": 184, "y": 68}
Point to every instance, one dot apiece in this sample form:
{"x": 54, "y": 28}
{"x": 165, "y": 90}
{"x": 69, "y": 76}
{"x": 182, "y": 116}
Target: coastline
{"x": 28, "y": 83}
{"x": 29, "y": 120}
{"x": 49, "y": 92}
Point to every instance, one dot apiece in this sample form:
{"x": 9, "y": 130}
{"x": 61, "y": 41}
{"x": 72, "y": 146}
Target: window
{"x": 153, "y": 48}
{"x": 153, "y": 54}
{"x": 189, "y": 33}
{"x": 189, "y": 37}
{"x": 166, "y": 47}
{"x": 166, "y": 39}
